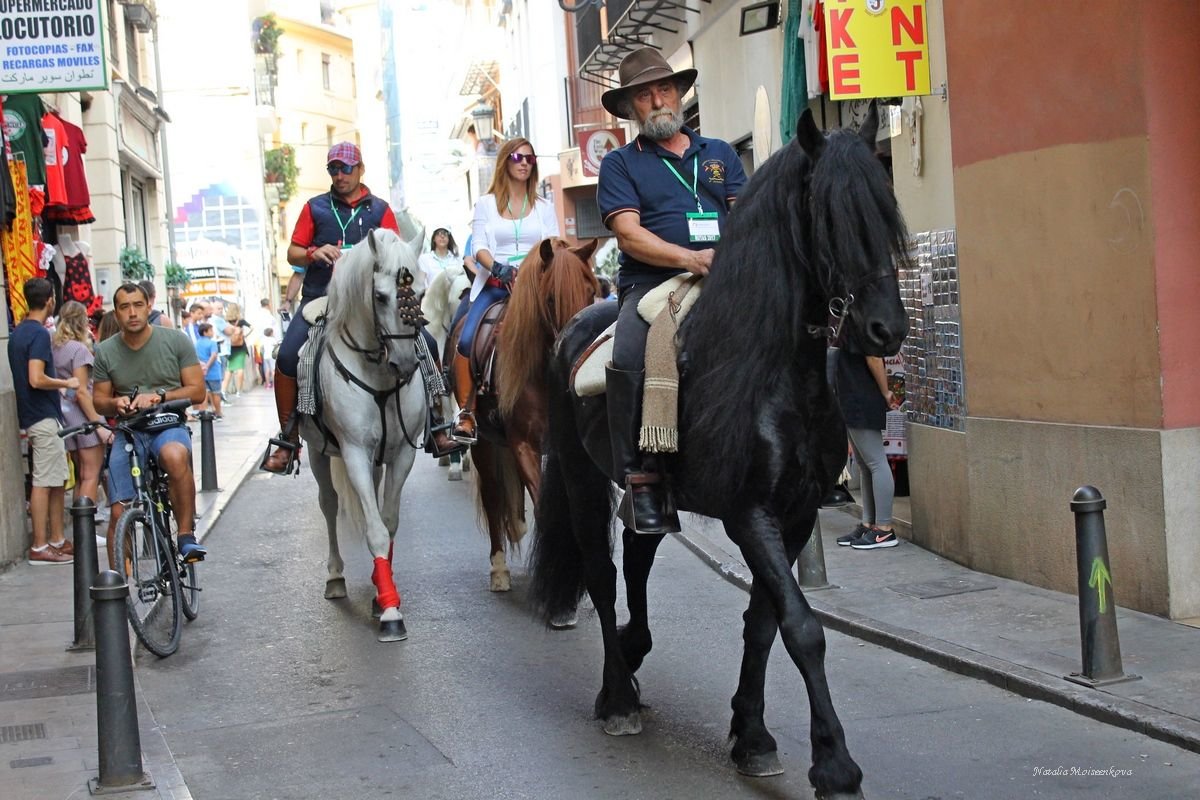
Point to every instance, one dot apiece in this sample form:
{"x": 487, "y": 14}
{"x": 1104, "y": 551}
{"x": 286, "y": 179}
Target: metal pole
{"x": 116, "y": 703}
{"x": 1097, "y": 603}
{"x": 83, "y": 526}
{"x": 208, "y": 454}
{"x": 810, "y": 567}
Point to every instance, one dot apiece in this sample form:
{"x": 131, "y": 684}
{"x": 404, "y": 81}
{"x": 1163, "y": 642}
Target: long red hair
{"x": 503, "y": 188}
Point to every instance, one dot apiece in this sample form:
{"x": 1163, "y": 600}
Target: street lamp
{"x": 483, "y": 115}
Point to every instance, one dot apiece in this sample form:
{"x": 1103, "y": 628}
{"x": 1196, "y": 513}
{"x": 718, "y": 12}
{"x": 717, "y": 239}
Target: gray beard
{"x": 661, "y": 126}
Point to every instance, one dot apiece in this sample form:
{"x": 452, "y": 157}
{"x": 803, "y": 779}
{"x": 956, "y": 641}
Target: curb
{"x": 1033, "y": 684}
{"x": 205, "y": 524}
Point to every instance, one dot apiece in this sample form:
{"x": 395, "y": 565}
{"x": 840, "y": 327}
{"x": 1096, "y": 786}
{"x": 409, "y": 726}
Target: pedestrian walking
{"x": 270, "y": 351}
{"x": 209, "y": 357}
{"x": 31, "y": 358}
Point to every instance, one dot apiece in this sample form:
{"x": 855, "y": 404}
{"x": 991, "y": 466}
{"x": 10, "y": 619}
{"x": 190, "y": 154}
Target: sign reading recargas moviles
{"x": 51, "y": 46}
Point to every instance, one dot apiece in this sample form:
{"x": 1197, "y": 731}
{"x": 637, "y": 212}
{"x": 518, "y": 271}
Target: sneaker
{"x": 66, "y": 547}
{"x": 48, "y": 555}
{"x": 874, "y": 539}
{"x": 190, "y": 550}
{"x": 852, "y": 536}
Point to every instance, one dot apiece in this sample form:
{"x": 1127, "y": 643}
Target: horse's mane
{"x": 351, "y": 290}
{"x": 777, "y": 263}
{"x": 544, "y": 298}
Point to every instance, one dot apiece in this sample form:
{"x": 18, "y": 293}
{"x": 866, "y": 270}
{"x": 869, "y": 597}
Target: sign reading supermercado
{"x": 876, "y": 48}
{"x": 51, "y": 46}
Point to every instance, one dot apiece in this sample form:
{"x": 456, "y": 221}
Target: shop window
{"x": 132, "y": 57}
{"x": 588, "y": 224}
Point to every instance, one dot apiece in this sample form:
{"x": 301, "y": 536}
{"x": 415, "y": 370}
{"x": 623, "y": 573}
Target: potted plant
{"x": 134, "y": 265}
{"x": 279, "y": 168}
{"x": 266, "y": 35}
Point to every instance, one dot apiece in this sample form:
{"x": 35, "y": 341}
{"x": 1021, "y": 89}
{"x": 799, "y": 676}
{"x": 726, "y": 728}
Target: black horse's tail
{"x": 573, "y": 512}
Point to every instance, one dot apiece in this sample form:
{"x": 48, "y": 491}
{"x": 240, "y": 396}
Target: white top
{"x": 432, "y": 264}
{"x": 497, "y": 235}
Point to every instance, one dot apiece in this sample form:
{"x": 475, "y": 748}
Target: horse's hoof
{"x": 628, "y": 725}
{"x": 335, "y": 588}
{"x": 376, "y": 609}
{"x": 455, "y": 473}
{"x": 565, "y": 621}
{"x": 501, "y": 582}
{"x": 841, "y": 796}
{"x": 444, "y": 461}
{"x": 392, "y": 631}
{"x": 760, "y": 765}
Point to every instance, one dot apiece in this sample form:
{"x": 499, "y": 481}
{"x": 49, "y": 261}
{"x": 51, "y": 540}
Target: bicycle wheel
{"x": 189, "y": 578}
{"x": 152, "y": 578}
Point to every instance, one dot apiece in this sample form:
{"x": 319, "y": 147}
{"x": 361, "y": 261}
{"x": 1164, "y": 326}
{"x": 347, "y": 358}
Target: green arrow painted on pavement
{"x": 1100, "y": 577}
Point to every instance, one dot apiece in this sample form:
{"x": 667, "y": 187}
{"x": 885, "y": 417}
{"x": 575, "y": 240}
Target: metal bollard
{"x": 810, "y": 567}
{"x": 83, "y": 527}
{"x": 208, "y": 454}
{"x": 120, "y": 743}
{"x": 1097, "y": 603}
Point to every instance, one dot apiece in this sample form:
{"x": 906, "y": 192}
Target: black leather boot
{"x": 646, "y": 507}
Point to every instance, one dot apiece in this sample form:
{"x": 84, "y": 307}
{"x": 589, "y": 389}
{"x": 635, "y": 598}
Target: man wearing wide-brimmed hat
{"x": 665, "y": 196}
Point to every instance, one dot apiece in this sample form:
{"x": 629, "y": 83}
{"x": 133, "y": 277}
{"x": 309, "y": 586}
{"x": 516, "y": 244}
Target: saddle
{"x": 483, "y": 348}
{"x": 587, "y": 375}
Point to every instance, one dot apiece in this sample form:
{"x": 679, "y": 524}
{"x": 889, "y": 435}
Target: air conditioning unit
{"x": 140, "y": 15}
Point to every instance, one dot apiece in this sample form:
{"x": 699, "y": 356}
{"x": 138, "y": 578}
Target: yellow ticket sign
{"x": 876, "y": 48}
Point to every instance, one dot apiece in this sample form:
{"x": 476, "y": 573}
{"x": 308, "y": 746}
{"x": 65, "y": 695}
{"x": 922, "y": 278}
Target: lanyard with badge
{"x": 516, "y": 260}
{"x": 333, "y": 206}
{"x": 703, "y": 226}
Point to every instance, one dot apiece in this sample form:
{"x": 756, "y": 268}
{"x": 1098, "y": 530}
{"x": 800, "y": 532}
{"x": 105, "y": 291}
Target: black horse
{"x": 762, "y": 440}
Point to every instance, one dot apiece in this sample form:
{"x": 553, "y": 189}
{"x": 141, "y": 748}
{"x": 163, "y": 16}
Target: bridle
{"x": 839, "y": 308}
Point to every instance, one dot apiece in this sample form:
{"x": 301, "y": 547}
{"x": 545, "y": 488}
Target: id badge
{"x": 704, "y": 227}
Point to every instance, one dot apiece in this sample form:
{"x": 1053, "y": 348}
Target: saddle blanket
{"x": 587, "y": 377}
{"x": 306, "y": 371}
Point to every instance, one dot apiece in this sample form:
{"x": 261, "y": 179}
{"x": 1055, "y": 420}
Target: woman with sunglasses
{"x": 509, "y": 221}
{"x": 328, "y": 224}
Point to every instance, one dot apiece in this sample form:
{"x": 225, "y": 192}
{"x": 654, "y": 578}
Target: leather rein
{"x": 839, "y": 309}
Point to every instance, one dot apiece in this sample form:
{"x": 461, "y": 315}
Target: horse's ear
{"x": 546, "y": 251}
{"x": 585, "y": 252}
{"x": 870, "y": 126}
{"x": 374, "y": 247}
{"x": 809, "y": 135}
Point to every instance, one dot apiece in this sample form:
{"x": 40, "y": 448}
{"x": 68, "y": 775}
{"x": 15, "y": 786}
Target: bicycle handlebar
{"x": 178, "y": 406}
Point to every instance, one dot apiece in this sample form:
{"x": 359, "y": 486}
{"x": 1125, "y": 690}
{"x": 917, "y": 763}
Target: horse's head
{"x": 857, "y": 233}
{"x": 397, "y": 283}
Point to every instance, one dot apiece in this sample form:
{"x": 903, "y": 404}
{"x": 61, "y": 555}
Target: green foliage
{"x": 134, "y": 265}
{"x": 609, "y": 266}
{"x": 279, "y": 167}
{"x": 266, "y": 35}
{"x": 175, "y": 276}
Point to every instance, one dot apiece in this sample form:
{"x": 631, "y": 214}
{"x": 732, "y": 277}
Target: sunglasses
{"x": 528, "y": 158}
{"x": 337, "y": 166}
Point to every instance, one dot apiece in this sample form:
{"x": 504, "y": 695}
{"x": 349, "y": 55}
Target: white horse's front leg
{"x": 361, "y": 475}
{"x": 327, "y": 498}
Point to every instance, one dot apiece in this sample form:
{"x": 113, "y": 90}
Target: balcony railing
{"x": 631, "y": 23}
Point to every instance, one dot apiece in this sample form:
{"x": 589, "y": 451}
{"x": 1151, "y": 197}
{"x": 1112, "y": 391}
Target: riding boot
{"x": 464, "y": 391}
{"x": 646, "y": 507}
{"x": 287, "y": 445}
{"x": 439, "y": 442}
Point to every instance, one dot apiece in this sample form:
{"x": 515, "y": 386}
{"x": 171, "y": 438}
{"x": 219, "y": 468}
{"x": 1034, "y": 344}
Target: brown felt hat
{"x": 639, "y": 68}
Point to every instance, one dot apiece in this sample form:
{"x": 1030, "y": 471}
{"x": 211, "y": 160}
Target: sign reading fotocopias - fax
{"x": 51, "y": 46}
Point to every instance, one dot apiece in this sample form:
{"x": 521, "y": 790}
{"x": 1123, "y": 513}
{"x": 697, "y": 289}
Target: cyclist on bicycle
{"x": 160, "y": 363}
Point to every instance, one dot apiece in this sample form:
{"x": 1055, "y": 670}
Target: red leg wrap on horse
{"x": 384, "y": 586}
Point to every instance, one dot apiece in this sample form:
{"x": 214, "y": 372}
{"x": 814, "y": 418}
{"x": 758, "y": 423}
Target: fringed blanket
{"x": 664, "y": 307}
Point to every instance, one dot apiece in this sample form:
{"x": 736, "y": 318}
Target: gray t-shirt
{"x": 155, "y": 366}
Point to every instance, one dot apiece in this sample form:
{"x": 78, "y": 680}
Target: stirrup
{"x": 669, "y": 522}
{"x": 431, "y": 441}
{"x": 282, "y": 445}
{"x": 463, "y": 438}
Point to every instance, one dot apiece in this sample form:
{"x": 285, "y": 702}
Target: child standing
{"x": 208, "y": 352}
{"x": 268, "y": 344}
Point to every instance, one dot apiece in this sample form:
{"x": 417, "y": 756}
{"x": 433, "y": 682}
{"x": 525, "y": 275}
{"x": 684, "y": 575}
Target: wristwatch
{"x": 162, "y": 395}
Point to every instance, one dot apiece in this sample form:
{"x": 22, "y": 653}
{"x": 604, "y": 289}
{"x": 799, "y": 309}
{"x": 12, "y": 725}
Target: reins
{"x": 839, "y": 309}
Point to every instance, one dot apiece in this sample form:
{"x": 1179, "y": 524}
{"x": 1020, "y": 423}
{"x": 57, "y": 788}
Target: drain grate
{"x": 37, "y": 683}
{"x": 943, "y": 588}
{"x": 37, "y": 761}
{"x": 22, "y": 733}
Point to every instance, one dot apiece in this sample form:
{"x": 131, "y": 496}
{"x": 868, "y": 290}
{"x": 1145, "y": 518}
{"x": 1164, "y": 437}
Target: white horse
{"x": 441, "y": 300}
{"x": 372, "y": 416}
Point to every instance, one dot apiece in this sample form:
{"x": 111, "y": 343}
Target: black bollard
{"x": 208, "y": 454}
{"x": 120, "y": 743}
{"x": 83, "y": 527}
{"x": 1097, "y": 603}
{"x": 810, "y": 567}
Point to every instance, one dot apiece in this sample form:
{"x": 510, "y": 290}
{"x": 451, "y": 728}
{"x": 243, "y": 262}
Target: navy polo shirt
{"x": 634, "y": 178}
{"x": 30, "y": 340}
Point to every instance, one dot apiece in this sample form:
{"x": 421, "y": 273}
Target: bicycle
{"x": 161, "y": 584}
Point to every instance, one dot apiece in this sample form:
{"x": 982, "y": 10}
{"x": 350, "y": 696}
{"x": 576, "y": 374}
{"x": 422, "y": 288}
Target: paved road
{"x": 278, "y": 693}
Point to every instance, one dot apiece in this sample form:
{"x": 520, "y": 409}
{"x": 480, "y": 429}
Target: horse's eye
{"x": 381, "y": 297}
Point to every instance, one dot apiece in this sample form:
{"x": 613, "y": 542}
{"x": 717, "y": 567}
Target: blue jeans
{"x": 289, "y": 349}
{"x": 486, "y": 298}
{"x": 120, "y": 482}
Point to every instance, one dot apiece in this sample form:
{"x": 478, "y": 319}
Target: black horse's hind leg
{"x": 635, "y": 637}
{"x": 833, "y": 774}
{"x": 754, "y": 749}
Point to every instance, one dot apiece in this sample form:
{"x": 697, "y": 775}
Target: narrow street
{"x": 279, "y": 693}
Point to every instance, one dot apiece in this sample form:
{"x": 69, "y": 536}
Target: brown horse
{"x": 553, "y": 284}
